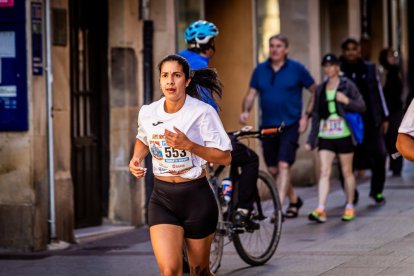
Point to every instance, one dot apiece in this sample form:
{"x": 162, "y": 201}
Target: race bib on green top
{"x": 170, "y": 160}
{"x": 332, "y": 128}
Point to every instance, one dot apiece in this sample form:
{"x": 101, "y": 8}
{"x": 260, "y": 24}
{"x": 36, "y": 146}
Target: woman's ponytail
{"x": 206, "y": 78}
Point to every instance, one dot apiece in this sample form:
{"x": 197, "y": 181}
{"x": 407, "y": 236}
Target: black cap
{"x": 329, "y": 58}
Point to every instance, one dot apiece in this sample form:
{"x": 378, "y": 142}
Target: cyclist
{"x": 200, "y": 38}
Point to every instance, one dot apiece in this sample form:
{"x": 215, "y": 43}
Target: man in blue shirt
{"x": 279, "y": 82}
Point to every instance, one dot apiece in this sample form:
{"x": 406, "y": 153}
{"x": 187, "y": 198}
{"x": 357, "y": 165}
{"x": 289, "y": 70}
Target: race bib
{"x": 169, "y": 159}
{"x": 332, "y": 127}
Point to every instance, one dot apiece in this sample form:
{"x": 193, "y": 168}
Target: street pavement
{"x": 380, "y": 241}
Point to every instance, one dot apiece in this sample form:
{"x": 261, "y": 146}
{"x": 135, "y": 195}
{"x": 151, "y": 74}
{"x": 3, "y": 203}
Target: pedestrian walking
{"x": 393, "y": 90}
{"x": 332, "y": 135}
{"x": 182, "y": 134}
{"x": 279, "y": 82}
{"x": 372, "y": 152}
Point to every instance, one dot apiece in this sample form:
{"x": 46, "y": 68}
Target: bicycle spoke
{"x": 258, "y": 246}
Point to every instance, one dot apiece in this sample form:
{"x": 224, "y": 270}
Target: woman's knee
{"x": 325, "y": 173}
{"x": 171, "y": 270}
{"x": 348, "y": 176}
{"x": 282, "y": 165}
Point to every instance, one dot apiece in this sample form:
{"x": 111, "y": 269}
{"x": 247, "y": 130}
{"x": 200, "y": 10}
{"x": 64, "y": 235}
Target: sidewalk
{"x": 379, "y": 242}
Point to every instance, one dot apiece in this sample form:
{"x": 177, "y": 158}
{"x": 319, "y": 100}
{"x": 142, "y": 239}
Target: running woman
{"x": 182, "y": 134}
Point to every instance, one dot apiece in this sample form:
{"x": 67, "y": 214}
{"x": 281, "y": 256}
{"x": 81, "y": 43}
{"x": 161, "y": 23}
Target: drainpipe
{"x": 148, "y": 34}
{"x": 49, "y": 106}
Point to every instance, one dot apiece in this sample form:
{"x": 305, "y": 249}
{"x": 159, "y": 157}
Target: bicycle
{"x": 256, "y": 242}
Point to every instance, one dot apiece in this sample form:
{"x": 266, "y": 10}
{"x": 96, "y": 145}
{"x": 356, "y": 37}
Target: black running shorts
{"x": 190, "y": 205}
{"x": 338, "y": 146}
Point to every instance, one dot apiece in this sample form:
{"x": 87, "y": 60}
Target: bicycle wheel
{"x": 257, "y": 246}
{"x": 216, "y": 249}
{"x": 216, "y": 252}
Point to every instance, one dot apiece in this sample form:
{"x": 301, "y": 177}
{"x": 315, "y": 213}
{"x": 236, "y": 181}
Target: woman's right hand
{"x": 136, "y": 169}
{"x": 342, "y": 98}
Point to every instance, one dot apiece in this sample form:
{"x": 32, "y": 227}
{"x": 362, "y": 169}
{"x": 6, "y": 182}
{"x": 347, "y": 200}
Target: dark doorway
{"x": 89, "y": 110}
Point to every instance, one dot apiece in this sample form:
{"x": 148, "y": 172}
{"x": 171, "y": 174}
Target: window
{"x": 187, "y": 11}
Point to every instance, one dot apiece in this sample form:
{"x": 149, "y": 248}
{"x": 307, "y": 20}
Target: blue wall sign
{"x": 13, "y": 68}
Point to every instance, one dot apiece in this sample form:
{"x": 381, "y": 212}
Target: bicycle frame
{"x": 234, "y": 175}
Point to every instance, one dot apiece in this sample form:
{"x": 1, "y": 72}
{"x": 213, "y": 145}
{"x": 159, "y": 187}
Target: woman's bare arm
{"x": 405, "y": 145}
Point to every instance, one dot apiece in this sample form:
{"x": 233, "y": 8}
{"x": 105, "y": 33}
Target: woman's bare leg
{"x": 167, "y": 242}
{"x": 349, "y": 178}
{"x": 326, "y": 158}
{"x": 198, "y": 251}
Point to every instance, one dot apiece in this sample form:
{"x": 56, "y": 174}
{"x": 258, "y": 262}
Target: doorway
{"x": 89, "y": 110}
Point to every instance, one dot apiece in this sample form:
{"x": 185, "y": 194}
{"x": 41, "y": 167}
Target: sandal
{"x": 293, "y": 209}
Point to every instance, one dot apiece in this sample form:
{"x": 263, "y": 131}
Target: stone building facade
{"x": 104, "y": 56}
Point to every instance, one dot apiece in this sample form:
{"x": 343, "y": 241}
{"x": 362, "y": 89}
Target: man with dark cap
{"x": 372, "y": 149}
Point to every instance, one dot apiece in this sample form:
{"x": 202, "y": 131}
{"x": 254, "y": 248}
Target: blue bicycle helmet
{"x": 200, "y": 32}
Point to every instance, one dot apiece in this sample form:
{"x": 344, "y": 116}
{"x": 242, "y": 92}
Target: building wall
{"x": 23, "y": 178}
{"x": 377, "y": 27}
{"x": 298, "y": 15}
{"x": 127, "y": 195}
{"x": 124, "y": 54}
{"x": 334, "y": 22}
{"x": 62, "y": 137}
{"x": 162, "y": 12}
{"x": 234, "y": 58}
{"x": 23, "y": 163}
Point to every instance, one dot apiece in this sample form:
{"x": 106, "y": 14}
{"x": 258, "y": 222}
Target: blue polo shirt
{"x": 280, "y": 92}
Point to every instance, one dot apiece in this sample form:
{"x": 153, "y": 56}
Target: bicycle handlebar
{"x": 246, "y": 132}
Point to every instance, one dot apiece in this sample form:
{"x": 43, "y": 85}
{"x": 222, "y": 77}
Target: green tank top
{"x": 334, "y": 127}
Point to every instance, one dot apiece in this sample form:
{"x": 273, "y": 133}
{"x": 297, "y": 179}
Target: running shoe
{"x": 318, "y": 215}
{"x": 379, "y": 199}
{"x": 349, "y": 214}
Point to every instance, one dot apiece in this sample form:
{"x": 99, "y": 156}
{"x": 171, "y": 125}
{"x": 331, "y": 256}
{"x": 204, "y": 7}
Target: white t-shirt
{"x": 196, "y": 119}
{"x": 407, "y": 124}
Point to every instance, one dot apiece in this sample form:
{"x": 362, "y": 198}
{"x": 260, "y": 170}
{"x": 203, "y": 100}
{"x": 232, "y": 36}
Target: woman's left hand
{"x": 341, "y": 98}
{"x": 177, "y": 140}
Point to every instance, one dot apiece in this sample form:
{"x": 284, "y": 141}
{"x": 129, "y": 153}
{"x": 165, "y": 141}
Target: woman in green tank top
{"x": 332, "y": 135}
